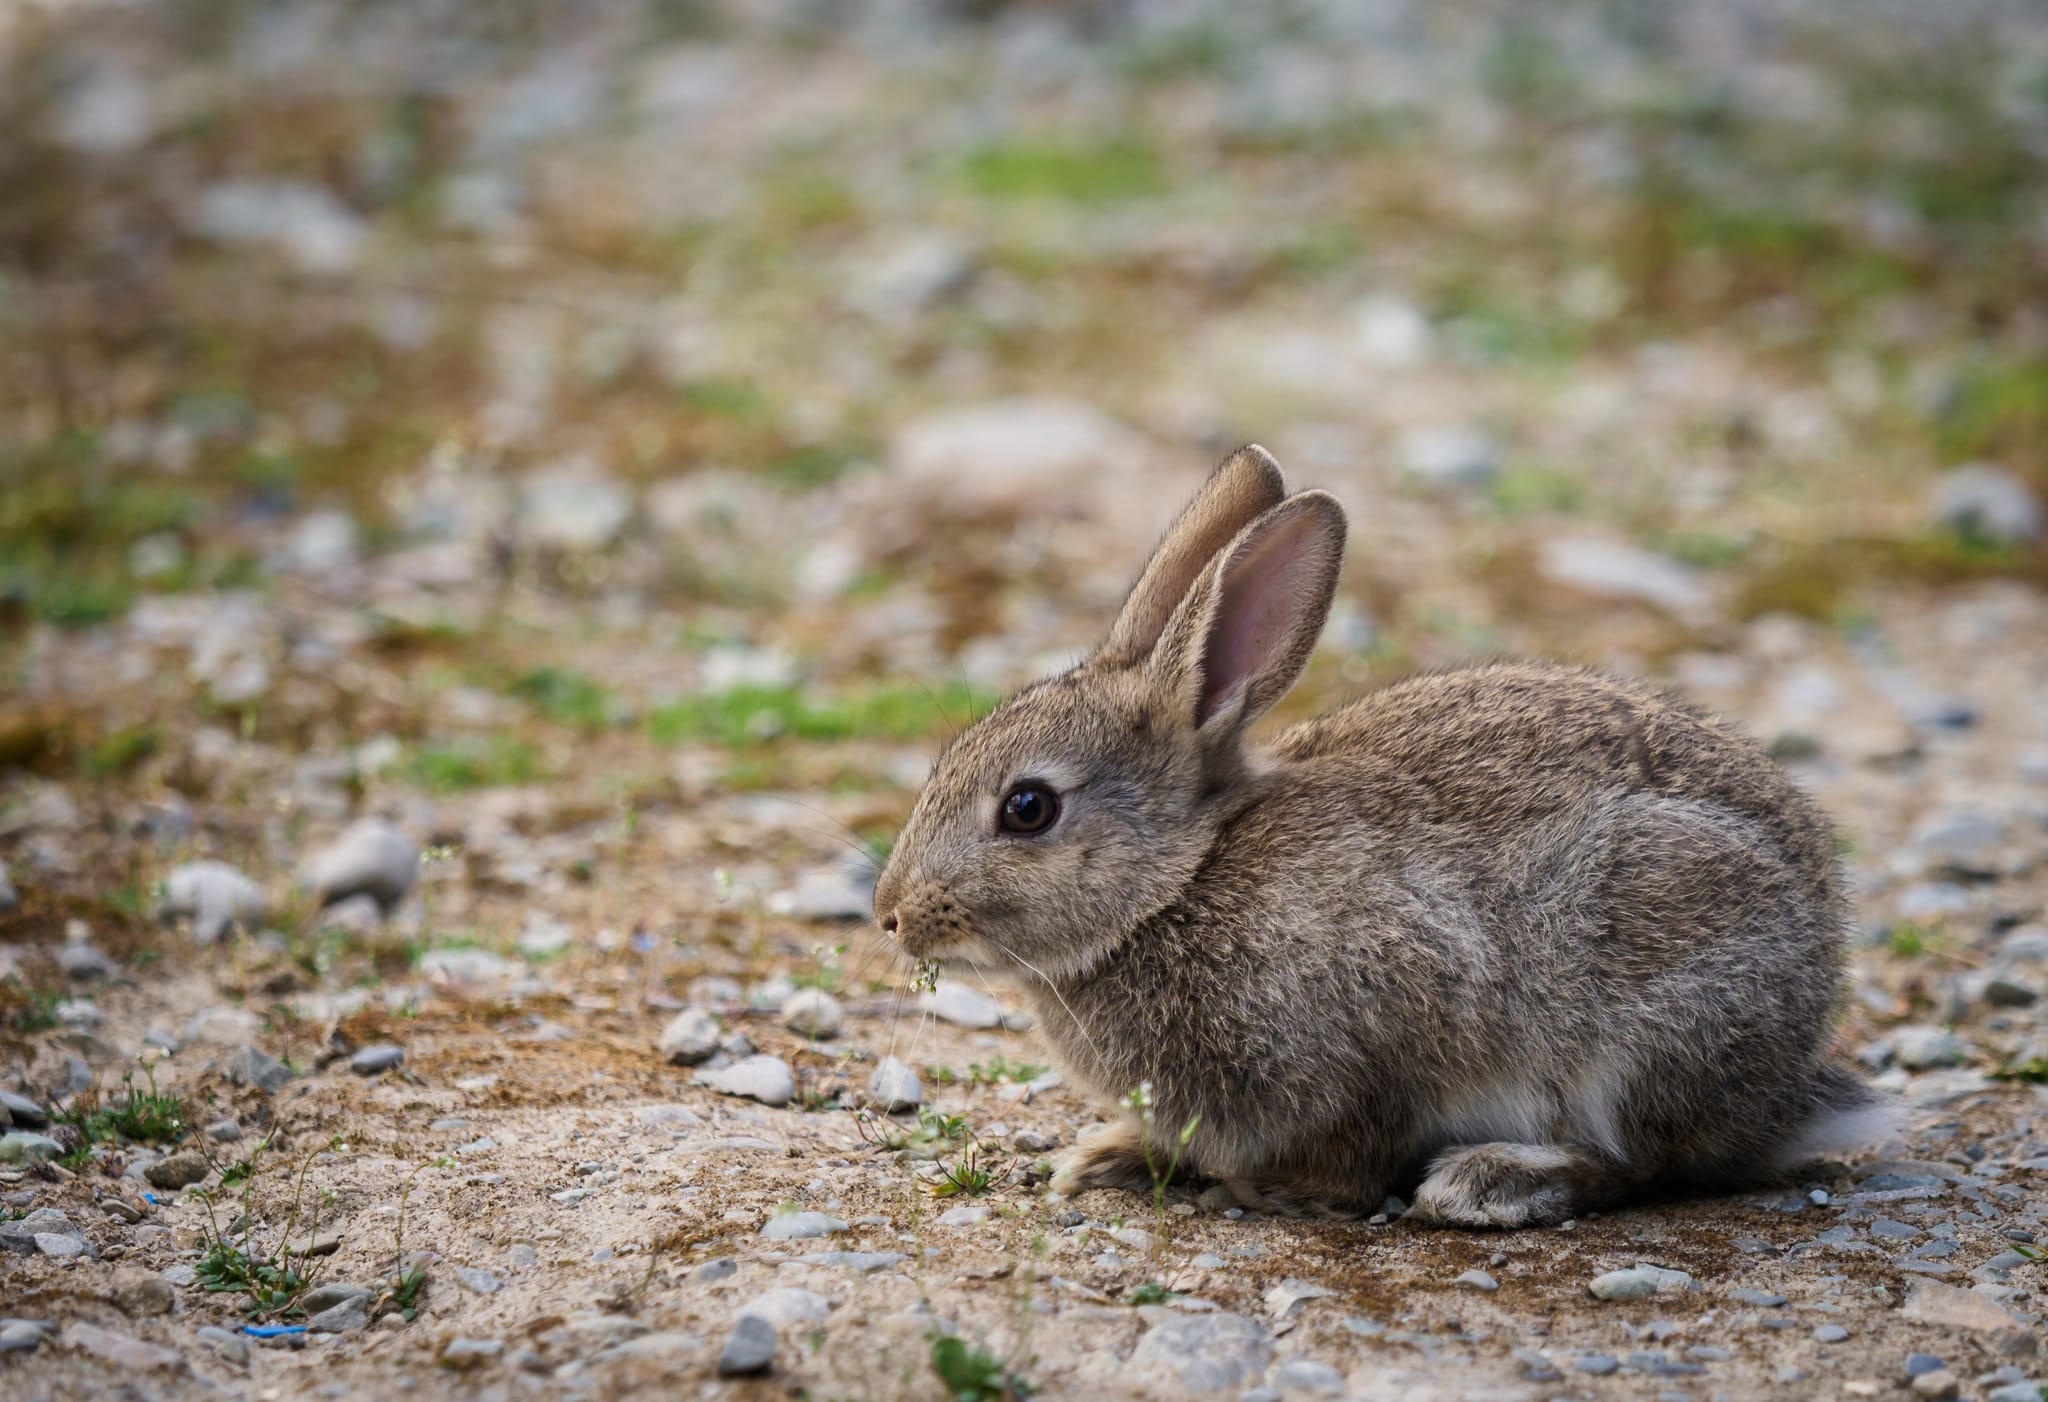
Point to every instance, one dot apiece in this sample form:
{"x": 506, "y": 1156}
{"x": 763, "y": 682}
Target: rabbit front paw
{"x": 1498, "y": 1185}
{"x": 1107, "y": 1156}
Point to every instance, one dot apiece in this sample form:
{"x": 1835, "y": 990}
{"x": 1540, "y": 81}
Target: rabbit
{"x": 1535, "y": 938}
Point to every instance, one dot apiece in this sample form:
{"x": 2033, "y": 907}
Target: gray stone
{"x": 126, "y": 1353}
{"x": 1611, "y": 569}
{"x": 1989, "y": 502}
{"x": 80, "y": 961}
{"x": 350, "y": 1316}
{"x": 228, "y": 1344}
{"x": 61, "y": 1246}
{"x": 1639, "y": 1282}
{"x": 814, "y": 1013}
{"x": 177, "y": 1171}
{"x": 1450, "y": 455}
{"x": 1830, "y": 1334}
{"x": 1940, "y": 1385}
{"x": 963, "y": 1216}
{"x": 1762, "y": 1299}
{"x": 322, "y": 1298}
{"x": 573, "y": 508}
{"x": 1478, "y": 1280}
{"x": 690, "y": 1037}
{"x": 1028, "y": 1141}
{"x": 787, "y": 1306}
{"x": 894, "y": 1087}
{"x": 2015, "y": 1392}
{"x": 1932, "y": 1302}
{"x": 470, "y": 1353}
{"x": 1924, "y": 1048}
{"x": 213, "y": 896}
{"x": 370, "y": 858}
{"x": 1959, "y": 839}
{"x": 1919, "y": 1363}
{"x": 1306, "y": 1375}
{"x": 964, "y": 1006}
{"x": 800, "y": 1226}
{"x": 143, "y": 1292}
{"x": 223, "y": 1026}
{"x": 1205, "y": 1352}
{"x": 251, "y": 1067}
{"x": 749, "y": 1348}
{"x": 866, "y": 1262}
{"x": 20, "y": 1146}
{"x": 479, "y": 1280}
{"x": 224, "y": 1131}
{"x": 375, "y": 1059}
{"x": 763, "y": 1078}
{"x": 1598, "y": 1364}
{"x": 23, "y": 1111}
{"x": 721, "y": 1268}
{"x": 834, "y": 893}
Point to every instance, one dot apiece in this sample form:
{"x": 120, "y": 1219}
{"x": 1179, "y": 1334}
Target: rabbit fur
{"x": 1530, "y": 936}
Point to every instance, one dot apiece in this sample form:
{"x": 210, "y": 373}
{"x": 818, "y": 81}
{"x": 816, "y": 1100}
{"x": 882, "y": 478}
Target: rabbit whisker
{"x": 1079, "y": 1026}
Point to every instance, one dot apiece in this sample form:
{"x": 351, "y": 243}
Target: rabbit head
{"x": 1087, "y": 802}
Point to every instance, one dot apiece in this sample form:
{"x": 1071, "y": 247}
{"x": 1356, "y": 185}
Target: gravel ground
{"x": 499, "y": 509}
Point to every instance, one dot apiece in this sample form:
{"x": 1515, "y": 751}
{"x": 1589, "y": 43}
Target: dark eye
{"x": 1030, "y": 808}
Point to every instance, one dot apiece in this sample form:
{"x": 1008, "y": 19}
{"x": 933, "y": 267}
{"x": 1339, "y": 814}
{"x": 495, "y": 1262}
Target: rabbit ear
{"x": 1246, "y": 484}
{"x": 1246, "y": 629}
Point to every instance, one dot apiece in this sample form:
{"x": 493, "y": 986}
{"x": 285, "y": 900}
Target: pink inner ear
{"x": 1263, "y": 592}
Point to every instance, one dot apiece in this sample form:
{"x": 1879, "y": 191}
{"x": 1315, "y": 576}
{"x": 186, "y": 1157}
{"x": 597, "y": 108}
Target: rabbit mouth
{"x": 927, "y": 921}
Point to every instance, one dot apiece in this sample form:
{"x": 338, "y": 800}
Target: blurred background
{"x": 625, "y": 407}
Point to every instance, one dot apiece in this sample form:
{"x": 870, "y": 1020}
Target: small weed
{"x": 1109, "y": 173}
{"x": 752, "y": 715}
{"x": 2034, "y": 1072}
{"x": 567, "y": 697}
{"x": 24, "y": 1010}
{"x": 925, "y": 979}
{"x": 138, "y": 1117}
{"x": 1151, "y": 1292}
{"x": 1002, "y": 1070}
{"x": 971, "y": 1375}
{"x": 450, "y": 766}
{"x": 1909, "y": 941}
{"x": 273, "y": 1281}
{"x": 119, "y": 752}
{"x": 966, "y": 1178}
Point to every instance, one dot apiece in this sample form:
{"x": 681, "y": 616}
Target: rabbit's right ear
{"x": 1246, "y": 486}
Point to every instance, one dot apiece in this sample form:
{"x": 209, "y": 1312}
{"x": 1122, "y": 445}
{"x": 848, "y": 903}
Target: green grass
{"x": 1000, "y": 1071}
{"x": 565, "y": 696}
{"x": 468, "y": 762}
{"x": 1107, "y": 173}
{"x": 24, "y": 1009}
{"x": 752, "y": 715}
{"x": 119, "y": 751}
{"x": 970, "y": 1375}
{"x": 2034, "y": 1072}
{"x": 139, "y": 1116}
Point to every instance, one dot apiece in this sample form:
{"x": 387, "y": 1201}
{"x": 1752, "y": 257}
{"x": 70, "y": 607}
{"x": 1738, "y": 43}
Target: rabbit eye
{"x": 1029, "y": 809}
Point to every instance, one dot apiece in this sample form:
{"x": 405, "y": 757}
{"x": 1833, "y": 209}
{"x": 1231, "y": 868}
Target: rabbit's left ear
{"x": 1248, "y": 623}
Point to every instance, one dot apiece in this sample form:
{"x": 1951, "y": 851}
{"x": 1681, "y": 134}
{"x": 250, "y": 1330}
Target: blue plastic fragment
{"x": 151, "y": 1199}
{"x": 272, "y": 1331}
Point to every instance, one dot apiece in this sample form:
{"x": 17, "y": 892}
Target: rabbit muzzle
{"x": 924, "y": 919}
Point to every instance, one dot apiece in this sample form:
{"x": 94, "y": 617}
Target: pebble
{"x": 965, "y": 1007}
{"x": 325, "y": 1297}
{"x": 1932, "y": 1302}
{"x": 1205, "y": 1353}
{"x": 60, "y": 1246}
{"x": 470, "y": 1353}
{"x": 1027, "y": 1141}
{"x": 1450, "y": 455}
{"x": 252, "y": 1067}
{"x": 800, "y": 1226}
{"x": 721, "y": 1268}
{"x": 1918, "y": 1363}
{"x": 1639, "y": 1283}
{"x": 177, "y": 1171}
{"x": 1611, "y": 569}
{"x": 895, "y": 1087}
{"x": 1309, "y": 1376}
{"x": 380, "y": 1057}
{"x": 371, "y": 858}
{"x": 749, "y": 1348}
{"x": 124, "y": 1352}
{"x": 1830, "y": 1334}
{"x": 1598, "y": 1364}
{"x": 1988, "y": 501}
{"x": 80, "y": 961}
{"x": 20, "y": 1146}
{"x": 2015, "y": 1392}
{"x": 213, "y": 896}
{"x": 573, "y": 508}
{"x": 223, "y": 1026}
{"x": 1762, "y": 1299}
{"x": 1939, "y": 1385}
{"x": 143, "y": 1292}
{"x": 348, "y": 1317}
{"x": 814, "y": 1013}
{"x": 963, "y": 1216}
{"x": 227, "y": 1344}
{"x": 23, "y": 1111}
{"x": 224, "y": 1131}
{"x": 787, "y": 1306}
{"x": 1478, "y": 1280}
{"x": 479, "y": 1280}
{"x": 763, "y": 1078}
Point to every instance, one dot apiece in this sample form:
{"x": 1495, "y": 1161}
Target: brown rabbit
{"x": 1532, "y": 936}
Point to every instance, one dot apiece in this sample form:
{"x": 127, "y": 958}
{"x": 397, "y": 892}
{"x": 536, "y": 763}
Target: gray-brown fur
{"x": 1533, "y": 936}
